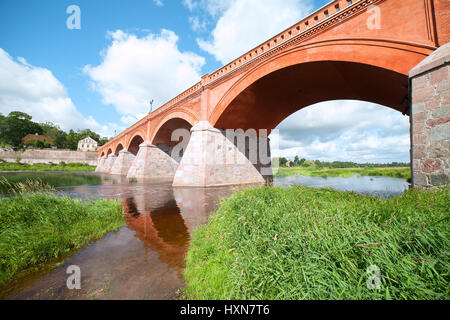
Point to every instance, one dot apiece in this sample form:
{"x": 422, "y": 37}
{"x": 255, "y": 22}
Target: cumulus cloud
{"x": 136, "y": 70}
{"x": 346, "y": 130}
{"x": 36, "y": 91}
{"x": 243, "y": 24}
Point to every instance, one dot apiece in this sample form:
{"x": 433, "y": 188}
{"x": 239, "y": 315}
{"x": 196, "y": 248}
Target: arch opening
{"x": 266, "y": 102}
{"x": 118, "y": 149}
{"x": 133, "y": 146}
{"x": 109, "y": 152}
{"x": 165, "y": 140}
{"x": 283, "y": 92}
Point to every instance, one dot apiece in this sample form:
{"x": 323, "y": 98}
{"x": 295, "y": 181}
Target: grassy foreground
{"x": 404, "y": 173}
{"x": 305, "y": 243}
{"x": 39, "y": 227}
{"x": 14, "y": 166}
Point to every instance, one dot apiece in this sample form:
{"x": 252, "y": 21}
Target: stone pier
{"x": 210, "y": 159}
{"x": 431, "y": 119}
{"x": 151, "y": 163}
{"x": 109, "y": 162}
{"x": 100, "y": 164}
{"x": 123, "y": 163}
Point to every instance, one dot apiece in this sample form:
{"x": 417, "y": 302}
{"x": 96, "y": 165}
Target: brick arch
{"x": 387, "y": 62}
{"x": 134, "y": 142}
{"x": 178, "y": 118}
{"x": 118, "y": 148}
{"x": 109, "y": 152}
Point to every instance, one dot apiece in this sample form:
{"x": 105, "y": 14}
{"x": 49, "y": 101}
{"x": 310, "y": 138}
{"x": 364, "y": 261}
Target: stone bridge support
{"x": 430, "y": 121}
{"x": 123, "y": 163}
{"x": 109, "y": 162}
{"x": 212, "y": 160}
{"x": 151, "y": 163}
{"x": 101, "y": 164}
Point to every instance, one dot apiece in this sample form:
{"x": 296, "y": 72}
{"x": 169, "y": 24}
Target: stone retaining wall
{"x": 49, "y": 155}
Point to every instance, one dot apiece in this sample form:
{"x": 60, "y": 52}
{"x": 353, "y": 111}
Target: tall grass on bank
{"x": 403, "y": 173}
{"x": 305, "y": 243}
{"x": 9, "y": 181}
{"x": 36, "y": 227}
{"x": 14, "y": 166}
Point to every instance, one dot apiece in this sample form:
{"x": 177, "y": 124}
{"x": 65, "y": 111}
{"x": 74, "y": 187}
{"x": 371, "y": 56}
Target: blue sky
{"x": 102, "y": 75}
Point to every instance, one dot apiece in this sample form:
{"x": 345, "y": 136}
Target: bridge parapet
{"x": 337, "y": 9}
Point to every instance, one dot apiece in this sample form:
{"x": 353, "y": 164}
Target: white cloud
{"x": 37, "y": 92}
{"x": 244, "y": 24}
{"x": 196, "y": 24}
{"x": 346, "y": 130}
{"x": 212, "y": 7}
{"x": 159, "y": 3}
{"x": 136, "y": 70}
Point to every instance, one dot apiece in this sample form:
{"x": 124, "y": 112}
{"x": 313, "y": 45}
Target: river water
{"x": 145, "y": 258}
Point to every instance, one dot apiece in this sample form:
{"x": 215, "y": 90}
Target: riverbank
{"x": 404, "y": 173}
{"x": 304, "y": 243}
{"x": 13, "y": 181}
{"x": 39, "y": 227}
{"x": 69, "y": 167}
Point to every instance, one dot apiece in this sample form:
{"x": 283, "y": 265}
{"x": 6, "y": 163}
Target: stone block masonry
{"x": 431, "y": 119}
{"x": 33, "y": 156}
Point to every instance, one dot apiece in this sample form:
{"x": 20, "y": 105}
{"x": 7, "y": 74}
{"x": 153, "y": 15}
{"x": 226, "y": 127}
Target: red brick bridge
{"x": 391, "y": 52}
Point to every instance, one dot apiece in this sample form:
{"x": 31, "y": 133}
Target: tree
{"x": 296, "y": 161}
{"x": 55, "y": 133}
{"x": 3, "y": 127}
{"x": 16, "y": 126}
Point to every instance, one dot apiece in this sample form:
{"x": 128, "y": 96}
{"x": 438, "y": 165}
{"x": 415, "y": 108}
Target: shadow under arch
{"x": 119, "y": 148}
{"x": 133, "y": 146}
{"x": 163, "y": 135}
{"x": 277, "y": 95}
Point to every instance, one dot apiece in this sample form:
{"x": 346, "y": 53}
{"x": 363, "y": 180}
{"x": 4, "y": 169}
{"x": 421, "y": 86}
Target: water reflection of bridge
{"x": 161, "y": 217}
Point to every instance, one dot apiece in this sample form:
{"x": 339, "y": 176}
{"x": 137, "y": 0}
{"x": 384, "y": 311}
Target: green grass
{"x": 403, "y": 173}
{"x": 305, "y": 243}
{"x": 11, "y": 181}
{"x": 14, "y": 166}
{"x": 39, "y": 227}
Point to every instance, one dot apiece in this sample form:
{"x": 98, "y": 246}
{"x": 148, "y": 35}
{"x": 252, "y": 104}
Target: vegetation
{"x": 17, "y": 125}
{"x": 305, "y": 243}
{"x": 10, "y": 182}
{"x": 17, "y": 166}
{"x": 317, "y": 164}
{"x": 38, "y": 227}
{"x": 404, "y": 173}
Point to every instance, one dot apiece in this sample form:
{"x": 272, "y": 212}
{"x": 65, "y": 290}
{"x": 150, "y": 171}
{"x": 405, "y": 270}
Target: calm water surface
{"x": 145, "y": 258}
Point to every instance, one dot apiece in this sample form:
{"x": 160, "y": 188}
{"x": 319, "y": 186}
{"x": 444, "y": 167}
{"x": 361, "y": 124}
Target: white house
{"x": 87, "y": 144}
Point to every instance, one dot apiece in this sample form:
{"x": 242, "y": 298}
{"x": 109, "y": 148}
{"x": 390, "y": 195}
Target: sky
{"x": 125, "y": 53}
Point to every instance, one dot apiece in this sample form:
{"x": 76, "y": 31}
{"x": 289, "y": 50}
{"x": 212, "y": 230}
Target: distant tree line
{"x": 297, "y": 162}
{"x": 16, "y": 125}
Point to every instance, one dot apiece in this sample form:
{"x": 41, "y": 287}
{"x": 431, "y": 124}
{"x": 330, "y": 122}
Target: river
{"x": 145, "y": 258}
